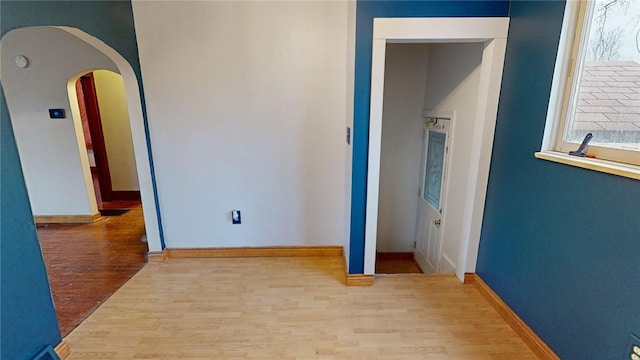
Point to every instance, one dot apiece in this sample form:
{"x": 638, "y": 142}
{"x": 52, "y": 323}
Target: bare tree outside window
{"x": 605, "y": 44}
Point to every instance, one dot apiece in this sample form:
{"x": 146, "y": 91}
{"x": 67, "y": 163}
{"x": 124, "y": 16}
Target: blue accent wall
{"x": 365, "y": 12}
{"x": 27, "y": 318}
{"x": 560, "y": 245}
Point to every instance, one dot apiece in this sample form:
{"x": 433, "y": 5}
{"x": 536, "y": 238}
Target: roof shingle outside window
{"x": 609, "y": 101}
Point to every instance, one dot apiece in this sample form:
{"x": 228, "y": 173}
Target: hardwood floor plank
{"x": 359, "y": 280}
{"x": 396, "y": 263}
{"x": 66, "y": 219}
{"x": 291, "y": 308}
{"x": 397, "y": 266}
{"x": 62, "y": 350}
{"x": 394, "y": 256}
{"x": 87, "y": 263}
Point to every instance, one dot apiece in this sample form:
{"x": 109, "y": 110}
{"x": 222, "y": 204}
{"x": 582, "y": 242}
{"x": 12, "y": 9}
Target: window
{"x": 597, "y": 81}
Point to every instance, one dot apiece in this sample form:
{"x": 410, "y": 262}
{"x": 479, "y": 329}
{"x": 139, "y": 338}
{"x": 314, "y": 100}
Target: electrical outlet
{"x": 632, "y": 350}
{"x": 235, "y": 217}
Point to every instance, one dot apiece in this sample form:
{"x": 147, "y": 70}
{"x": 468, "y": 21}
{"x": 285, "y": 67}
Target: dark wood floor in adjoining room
{"x": 396, "y": 263}
{"x": 114, "y": 204}
{"x": 87, "y": 263}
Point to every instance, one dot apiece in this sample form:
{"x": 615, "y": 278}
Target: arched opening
{"x": 104, "y": 120}
{"x": 40, "y": 66}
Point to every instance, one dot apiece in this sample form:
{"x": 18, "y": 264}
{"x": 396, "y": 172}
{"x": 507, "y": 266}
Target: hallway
{"x": 87, "y": 263}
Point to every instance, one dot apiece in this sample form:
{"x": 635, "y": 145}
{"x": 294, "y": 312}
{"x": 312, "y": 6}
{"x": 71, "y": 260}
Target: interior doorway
{"x": 94, "y": 137}
{"x": 56, "y": 164}
{"x": 87, "y": 263}
{"x": 107, "y": 139}
{"x": 406, "y": 69}
{"x": 430, "y": 89}
{"x": 57, "y": 174}
{"x": 473, "y": 141}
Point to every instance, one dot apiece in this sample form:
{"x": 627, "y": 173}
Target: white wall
{"x": 350, "y": 78}
{"x": 404, "y": 91}
{"x": 116, "y": 129}
{"x": 452, "y": 84}
{"x": 246, "y": 105}
{"x": 50, "y": 148}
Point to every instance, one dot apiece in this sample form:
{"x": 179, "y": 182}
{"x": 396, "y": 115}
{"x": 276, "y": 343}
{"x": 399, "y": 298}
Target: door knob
{"x": 437, "y": 222}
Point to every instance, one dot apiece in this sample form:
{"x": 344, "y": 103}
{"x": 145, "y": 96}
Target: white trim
{"x": 375, "y": 146}
{"x": 561, "y": 73}
{"x": 446, "y": 265}
{"x": 477, "y": 29}
{"x": 492, "y": 31}
{"x": 143, "y": 165}
{"x": 482, "y": 146}
{"x": 605, "y": 166}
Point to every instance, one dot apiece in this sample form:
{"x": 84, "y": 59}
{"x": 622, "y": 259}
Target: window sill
{"x": 609, "y": 167}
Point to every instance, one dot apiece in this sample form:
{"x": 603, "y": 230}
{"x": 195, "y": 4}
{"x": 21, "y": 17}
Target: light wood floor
{"x": 291, "y": 308}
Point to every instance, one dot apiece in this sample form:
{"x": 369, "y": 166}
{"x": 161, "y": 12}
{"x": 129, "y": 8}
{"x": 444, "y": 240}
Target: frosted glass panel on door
{"x": 434, "y": 168}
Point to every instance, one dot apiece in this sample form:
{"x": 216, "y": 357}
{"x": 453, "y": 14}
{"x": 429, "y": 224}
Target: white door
{"x": 431, "y": 194}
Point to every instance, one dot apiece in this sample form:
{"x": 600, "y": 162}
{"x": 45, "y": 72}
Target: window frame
{"x": 564, "y": 92}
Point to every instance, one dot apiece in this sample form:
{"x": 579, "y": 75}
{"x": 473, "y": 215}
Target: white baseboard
{"x": 446, "y": 265}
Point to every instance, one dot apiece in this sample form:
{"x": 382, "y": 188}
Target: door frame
{"x": 94, "y": 120}
{"x": 493, "y": 33}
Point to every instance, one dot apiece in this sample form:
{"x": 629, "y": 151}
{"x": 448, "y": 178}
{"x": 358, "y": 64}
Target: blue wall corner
{"x": 28, "y": 319}
{"x": 366, "y": 11}
{"x": 560, "y": 245}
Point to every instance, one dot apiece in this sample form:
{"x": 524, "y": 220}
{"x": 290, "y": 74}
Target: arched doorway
{"x": 39, "y": 68}
{"x": 54, "y": 56}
